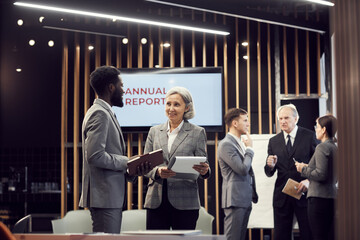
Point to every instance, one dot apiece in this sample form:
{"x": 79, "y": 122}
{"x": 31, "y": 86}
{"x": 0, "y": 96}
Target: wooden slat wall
{"x": 307, "y": 65}
{"x": 140, "y": 136}
{"x": 258, "y": 47}
{"x": 269, "y": 78}
{"x": 76, "y": 120}
{"x": 285, "y": 62}
{"x": 217, "y": 200}
{"x": 248, "y": 73}
{"x": 64, "y": 123}
{"x": 156, "y": 44}
{"x": 237, "y": 70}
{"x": 347, "y": 75}
{"x": 206, "y": 192}
{"x": 129, "y": 135}
{"x": 297, "y": 90}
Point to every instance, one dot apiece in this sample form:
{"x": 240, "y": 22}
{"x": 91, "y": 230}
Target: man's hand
{"x": 164, "y": 172}
{"x": 143, "y": 169}
{"x": 248, "y": 141}
{"x": 271, "y": 161}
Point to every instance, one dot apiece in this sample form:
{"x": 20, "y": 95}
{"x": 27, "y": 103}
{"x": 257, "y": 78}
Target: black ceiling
{"x": 291, "y": 12}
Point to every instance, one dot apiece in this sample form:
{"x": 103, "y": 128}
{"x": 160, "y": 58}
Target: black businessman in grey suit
{"x": 281, "y": 156}
{"x": 238, "y": 187}
{"x": 104, "y": 157}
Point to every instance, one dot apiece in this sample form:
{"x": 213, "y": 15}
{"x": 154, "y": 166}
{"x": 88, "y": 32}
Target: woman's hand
{"x": 164, "y": 172}
{"x": 299, "y": 166}
{"x": 202, "y": 168}
{"x": 303, "y": 186}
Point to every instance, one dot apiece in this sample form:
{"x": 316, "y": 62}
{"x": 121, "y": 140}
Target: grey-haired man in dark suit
{"x": 292, "y": 143}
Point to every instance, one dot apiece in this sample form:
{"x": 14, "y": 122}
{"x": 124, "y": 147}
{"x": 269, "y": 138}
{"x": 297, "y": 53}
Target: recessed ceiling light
{"x": 166, "y": 45}
{"x": 91, "y": 47}
{"x": 51, "y": 43}
{"x": 18, "y": 69}
{"x": 20, "y": 22}
{"x": 41, "y": 19}
{"x": 245, "y": 57}
{"x": 143, "y": 40}
{"x": 245, "y": 44}
{"x": 125, "y": 41}
{"x": 32, "y": 42}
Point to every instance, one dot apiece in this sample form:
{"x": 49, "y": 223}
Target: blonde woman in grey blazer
{"x": 172, "y": 201}
{"x": 320, "y": 173}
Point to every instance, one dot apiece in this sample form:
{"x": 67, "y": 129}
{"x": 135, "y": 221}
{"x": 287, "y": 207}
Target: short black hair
{"x": 102, "y": 76}
{"x": 233, "y": 113}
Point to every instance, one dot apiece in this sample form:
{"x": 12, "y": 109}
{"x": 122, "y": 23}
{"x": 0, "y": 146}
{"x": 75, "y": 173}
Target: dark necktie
{"x": 288, "y": 144}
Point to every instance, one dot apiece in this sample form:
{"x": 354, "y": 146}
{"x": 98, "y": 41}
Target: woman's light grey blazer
{"x": 183, "y": 194}
{"x": 320, "y": 171}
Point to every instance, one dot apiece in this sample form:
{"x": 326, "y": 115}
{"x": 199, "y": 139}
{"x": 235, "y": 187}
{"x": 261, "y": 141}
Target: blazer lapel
{"x": 297, "y": 141}
{"x": 298, "y": 138}
{"x": 115, "y": 121}
{"x": 238, "y": 147}
{"x": 163, "y": 139}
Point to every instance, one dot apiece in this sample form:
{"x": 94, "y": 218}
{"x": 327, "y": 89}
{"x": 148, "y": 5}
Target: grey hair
{"x": 292, "y": 107}
{"x": 186, "y": 96}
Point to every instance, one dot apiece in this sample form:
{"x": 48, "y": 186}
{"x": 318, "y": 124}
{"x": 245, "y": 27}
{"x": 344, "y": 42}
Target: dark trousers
{"x": 166, "y": 216}
{"x": 107, "y": 220}
{"x": 321, "y": 218}
{"x": 235, "y": 222}
{"x": 284, "y": 217}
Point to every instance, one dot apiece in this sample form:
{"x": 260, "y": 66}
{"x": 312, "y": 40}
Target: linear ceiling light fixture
{"x": 323, "y": 2}
{"x": 238, "y": 16}
{"x": 120, "y": 18}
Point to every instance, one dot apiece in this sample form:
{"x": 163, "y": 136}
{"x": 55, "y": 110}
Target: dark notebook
{"x": 154, "y": 157}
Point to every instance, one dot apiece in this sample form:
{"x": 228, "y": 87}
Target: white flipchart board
{"x": 262, "y": 212}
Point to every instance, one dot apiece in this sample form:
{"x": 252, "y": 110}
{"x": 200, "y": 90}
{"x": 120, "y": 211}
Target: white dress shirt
{"x": 292, "y": 135}
{"x": 172, "y": 135}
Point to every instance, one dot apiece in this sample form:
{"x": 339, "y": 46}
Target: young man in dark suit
{"x": 293, "y": 143}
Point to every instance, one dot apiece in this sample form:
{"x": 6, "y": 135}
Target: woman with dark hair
{"x": 320, "y": 173}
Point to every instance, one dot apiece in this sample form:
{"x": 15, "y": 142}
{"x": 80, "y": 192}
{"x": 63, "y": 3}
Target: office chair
{"x": 23, "y": 225}
{"x": 77, "y": 221}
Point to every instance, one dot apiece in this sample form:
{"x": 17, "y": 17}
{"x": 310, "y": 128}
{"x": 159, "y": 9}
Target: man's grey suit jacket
{"x": 183, "y": 194}
{"x": 104, "y": 160}
{"x": 235, "y": 167}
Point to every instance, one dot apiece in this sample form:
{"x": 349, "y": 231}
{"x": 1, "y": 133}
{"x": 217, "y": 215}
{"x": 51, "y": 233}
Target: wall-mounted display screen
{"x": 145, "y": 91}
